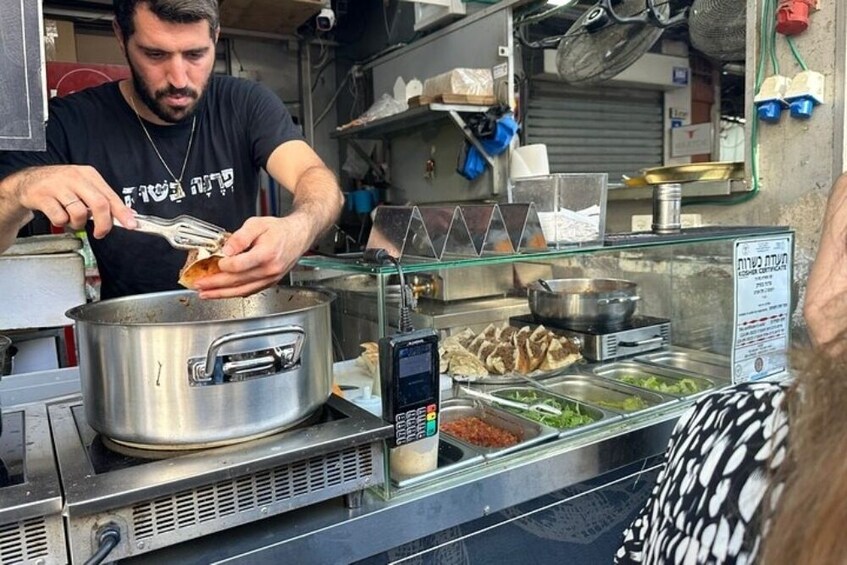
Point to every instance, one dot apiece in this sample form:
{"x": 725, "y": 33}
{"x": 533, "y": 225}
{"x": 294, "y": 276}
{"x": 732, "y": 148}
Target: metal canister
{"x": 667, "y": 207}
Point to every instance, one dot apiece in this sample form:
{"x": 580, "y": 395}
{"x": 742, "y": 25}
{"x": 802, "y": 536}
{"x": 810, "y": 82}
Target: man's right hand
{"x": 66, "y": 194}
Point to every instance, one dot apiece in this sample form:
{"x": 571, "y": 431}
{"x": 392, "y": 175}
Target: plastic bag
{"x": 465, "y": 82}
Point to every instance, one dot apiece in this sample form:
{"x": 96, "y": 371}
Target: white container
{"x": 571, "y": 207}
{"x": 414, "y": 458}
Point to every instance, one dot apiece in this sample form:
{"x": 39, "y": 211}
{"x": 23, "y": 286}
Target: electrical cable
{"x": 552, "y": 41}
{"x": 107, "y": 539}
{"x": 333, "y": 99}
{"x": 766, "y": 38}
{"x": 380, "y": 257}
{"x": 796, "y": 53}
{"x": 537, "y": 17}
{"x": 235, "y": 54}
{"x": 320, "y": 72}
{"x": 772, "y": 30}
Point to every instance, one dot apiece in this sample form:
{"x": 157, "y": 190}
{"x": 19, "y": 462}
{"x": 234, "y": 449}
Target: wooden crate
{"x": 273, "y": 16}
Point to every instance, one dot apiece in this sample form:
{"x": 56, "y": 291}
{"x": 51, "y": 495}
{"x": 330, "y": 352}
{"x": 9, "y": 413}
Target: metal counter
{"x": 329, "y": 532}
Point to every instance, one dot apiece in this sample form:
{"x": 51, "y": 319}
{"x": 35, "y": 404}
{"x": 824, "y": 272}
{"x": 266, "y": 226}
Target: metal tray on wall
{"x": 529, "y": 431}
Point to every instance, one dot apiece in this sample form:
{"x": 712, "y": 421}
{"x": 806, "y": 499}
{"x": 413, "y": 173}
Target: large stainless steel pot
{"x": 584, "y": 303}
{"x": 171, "y": 371}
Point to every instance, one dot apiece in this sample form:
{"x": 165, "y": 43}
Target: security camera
{"x": 326, "y": 19}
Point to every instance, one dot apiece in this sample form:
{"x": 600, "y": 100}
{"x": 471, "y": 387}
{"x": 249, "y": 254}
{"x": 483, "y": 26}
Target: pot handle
{"x": 203, "y": 373}
{"x": 618, "y": 300}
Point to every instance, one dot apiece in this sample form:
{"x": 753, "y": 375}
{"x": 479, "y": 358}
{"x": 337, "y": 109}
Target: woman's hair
{"x": 174, "y": 11}
{"x": 810, "y": 515}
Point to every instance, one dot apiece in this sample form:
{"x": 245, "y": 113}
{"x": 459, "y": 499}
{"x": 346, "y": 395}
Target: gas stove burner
{"x": 636, "y": 335}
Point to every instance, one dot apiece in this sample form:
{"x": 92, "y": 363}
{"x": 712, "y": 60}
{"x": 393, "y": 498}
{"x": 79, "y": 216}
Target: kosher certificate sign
{"x": 763, "y": 269}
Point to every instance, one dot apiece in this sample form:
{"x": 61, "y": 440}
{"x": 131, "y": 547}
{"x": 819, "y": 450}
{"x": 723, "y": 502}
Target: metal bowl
{"x": 584, "y": 303}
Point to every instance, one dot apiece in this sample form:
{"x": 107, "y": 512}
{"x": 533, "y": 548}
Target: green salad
{"x": 628, "y": 404}
{"x": 571, "y": 416}
{"x": 681, "y": 387}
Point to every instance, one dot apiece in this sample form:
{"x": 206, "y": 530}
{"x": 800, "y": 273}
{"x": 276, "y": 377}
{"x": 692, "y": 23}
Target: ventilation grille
{"x": 610, "y": 346}
{"x": 219, "y": 500}
{"x": 23, "y": 541}
{"x": 666, "y": 334}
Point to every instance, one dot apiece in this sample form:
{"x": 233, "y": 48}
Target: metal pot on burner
{"x": 584, "y": 303}
{"x": 170, "y": 371}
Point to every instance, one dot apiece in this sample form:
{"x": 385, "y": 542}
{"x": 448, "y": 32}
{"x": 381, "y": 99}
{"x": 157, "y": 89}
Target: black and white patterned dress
{"x": 707, "y": 505}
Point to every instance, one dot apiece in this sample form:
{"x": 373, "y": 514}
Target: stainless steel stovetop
{"x": 157, "y": 503}
{"x": 31, "y": 529}
{"x": 638, "y": 335}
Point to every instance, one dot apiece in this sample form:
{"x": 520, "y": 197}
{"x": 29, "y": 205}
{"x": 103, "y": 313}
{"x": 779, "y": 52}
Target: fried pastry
{"x": 557, "y": 357}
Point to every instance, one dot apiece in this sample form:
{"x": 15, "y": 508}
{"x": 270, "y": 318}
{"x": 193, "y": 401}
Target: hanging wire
{"x": 538, "y": 16}
{"x": 766, "y": 39}
{"x": 553, "y": 41}
{"x": 796, "y": 53}
{"x": 771, "y": 21}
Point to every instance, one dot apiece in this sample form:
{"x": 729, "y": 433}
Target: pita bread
{"x": 502, "y": 360}
{"x": 557, "y": 357}
{"x": 200, "y": 263}
{"x": 466, "y": 364}
{"x": 369, "y": 359}
{"x": 535, "y": 349}
{"x": 477, "y": 342}
{"x": 465, "y": 337}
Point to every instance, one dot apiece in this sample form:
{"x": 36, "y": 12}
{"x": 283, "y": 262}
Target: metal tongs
{"x": 534, "y": 407}
{"x": 182, "y": 232}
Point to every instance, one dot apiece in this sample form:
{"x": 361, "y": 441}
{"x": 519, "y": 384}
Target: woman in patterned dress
{"x": 755, "y": 473}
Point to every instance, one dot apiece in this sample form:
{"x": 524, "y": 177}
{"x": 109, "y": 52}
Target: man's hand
{"x": 258, "y": 255}
{"x": 67, "y": 194}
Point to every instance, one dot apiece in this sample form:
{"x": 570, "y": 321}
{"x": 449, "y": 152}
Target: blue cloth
{"x": 472, "y": 162}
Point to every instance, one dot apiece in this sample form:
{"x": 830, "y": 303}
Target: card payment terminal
{"x": 409, "y": 374}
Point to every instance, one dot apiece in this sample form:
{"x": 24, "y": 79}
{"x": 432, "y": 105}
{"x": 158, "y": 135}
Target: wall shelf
{"x": 405, "y": 121}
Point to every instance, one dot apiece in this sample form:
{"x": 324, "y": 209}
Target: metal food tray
{"x": 592, "y": 390}
{"x": 615, "y": 371}
{"x": 600, "y": 416}
{"x": 452, "y": 457}
{"x": 691, "y": 361}
{"x": 518, "y": 379}
{"x": 529, "y": 432}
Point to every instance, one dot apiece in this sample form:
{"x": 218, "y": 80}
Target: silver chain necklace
{"x": 156, "y": 149}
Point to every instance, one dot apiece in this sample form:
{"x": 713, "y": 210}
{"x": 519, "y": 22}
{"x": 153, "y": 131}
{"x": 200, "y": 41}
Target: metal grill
{"x": 23, "y": 541}
{"x": 193, "y": 507}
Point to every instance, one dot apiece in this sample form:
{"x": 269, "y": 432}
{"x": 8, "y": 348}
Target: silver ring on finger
{"x": 67, "y": 204}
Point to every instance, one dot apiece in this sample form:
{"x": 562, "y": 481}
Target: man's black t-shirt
{"x": 239, "y": 124}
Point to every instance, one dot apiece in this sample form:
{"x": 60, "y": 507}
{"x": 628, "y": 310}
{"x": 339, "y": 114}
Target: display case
{"x": 627, "y": 383}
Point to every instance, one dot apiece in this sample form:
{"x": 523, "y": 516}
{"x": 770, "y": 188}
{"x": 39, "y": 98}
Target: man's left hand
{"x": 258, "y": 254}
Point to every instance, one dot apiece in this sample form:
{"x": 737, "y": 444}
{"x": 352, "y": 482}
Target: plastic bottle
{"x": 369, "y": 402}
